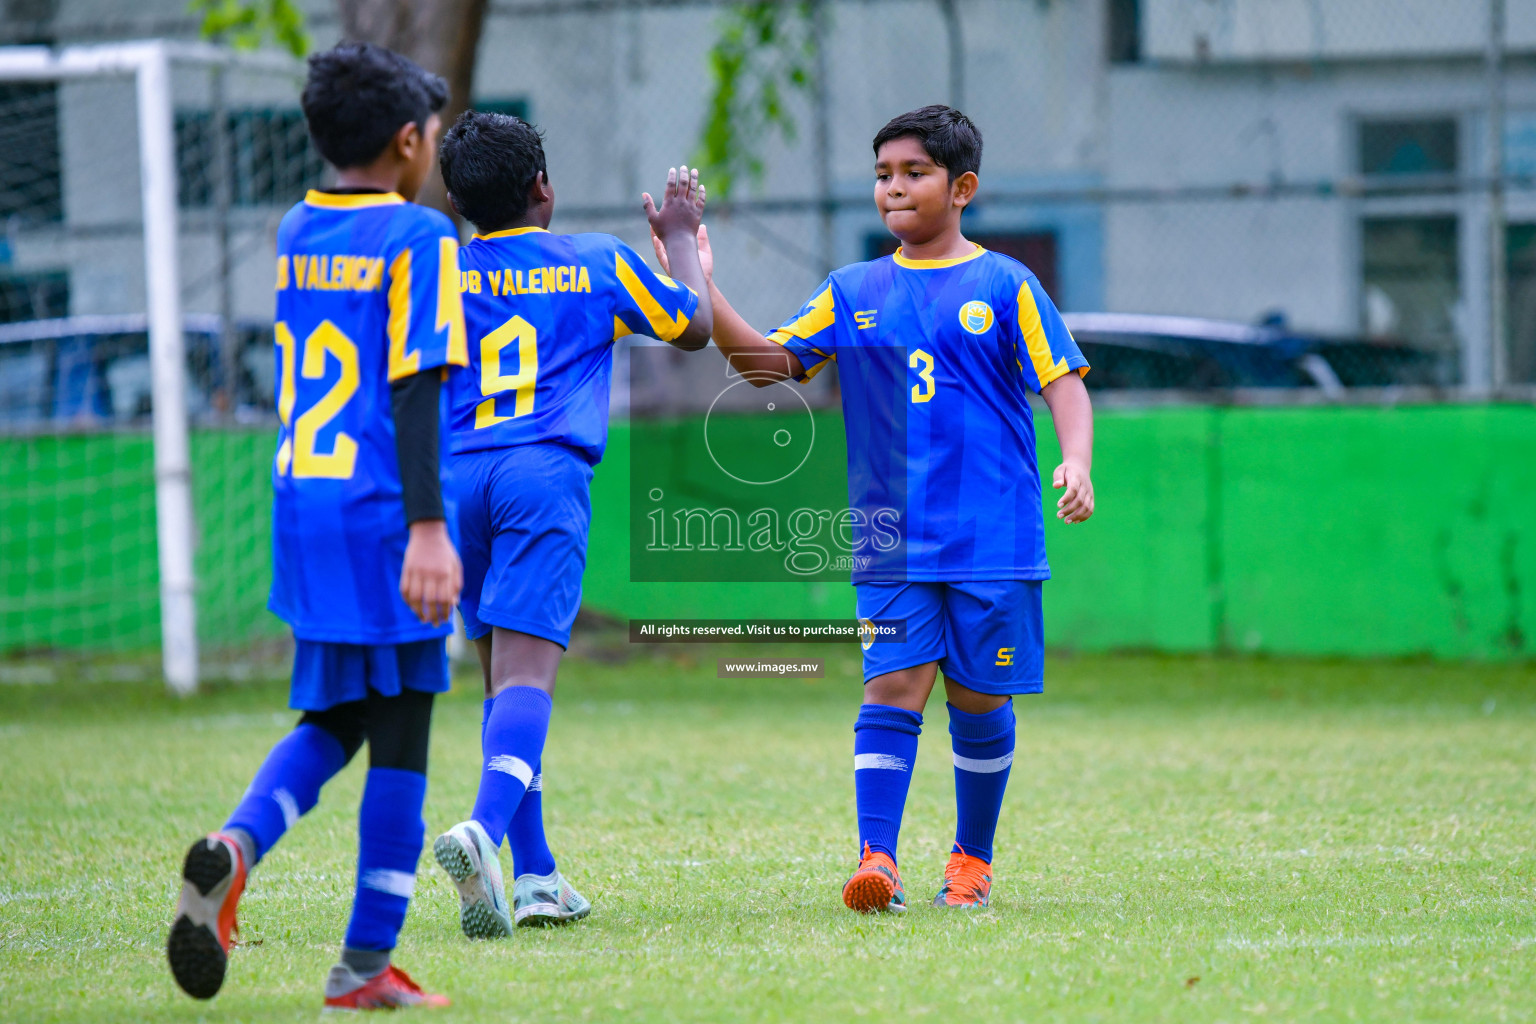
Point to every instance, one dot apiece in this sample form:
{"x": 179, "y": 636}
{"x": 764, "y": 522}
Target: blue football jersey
{"x": 543, "y": 311}
{"x": 934, "y": 358}
{"x": 367, "y": 293}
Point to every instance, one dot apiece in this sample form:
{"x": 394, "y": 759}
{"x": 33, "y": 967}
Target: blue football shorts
{"x": 326, "y": 674}
{"x": 988, "y": 636}
{"x": 523, "y": 518}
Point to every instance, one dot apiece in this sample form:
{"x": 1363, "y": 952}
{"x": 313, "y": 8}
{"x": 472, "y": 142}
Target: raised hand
{"x": 682, "y": 205}
{"x": 706, "y": 254}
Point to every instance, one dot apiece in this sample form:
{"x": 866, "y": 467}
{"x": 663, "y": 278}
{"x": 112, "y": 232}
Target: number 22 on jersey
{"x": 298, "y": 453}
{"x": 493, "y": 382}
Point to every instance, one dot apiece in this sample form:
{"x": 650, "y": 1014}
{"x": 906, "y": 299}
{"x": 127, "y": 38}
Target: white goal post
{"x": 149, "y": 63}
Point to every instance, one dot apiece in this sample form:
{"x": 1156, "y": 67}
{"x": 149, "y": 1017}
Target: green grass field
{"x": 1183, "y": 840}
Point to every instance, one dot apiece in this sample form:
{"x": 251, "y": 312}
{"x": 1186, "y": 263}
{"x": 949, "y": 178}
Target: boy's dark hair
{"x": 358, "y": 95}
{"x": 489, "y": 161}
{"x": 948, "y": 136}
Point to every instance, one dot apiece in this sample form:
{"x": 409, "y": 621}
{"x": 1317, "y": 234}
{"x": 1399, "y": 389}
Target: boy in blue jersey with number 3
{"x": 936, "y": 347}
{"x": 368, "y": 324}
{"x": 530, "y": 420}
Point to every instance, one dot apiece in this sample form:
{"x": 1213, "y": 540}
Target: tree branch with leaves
{"x": 765, "y": 53}
{"x": 249, "y": 24}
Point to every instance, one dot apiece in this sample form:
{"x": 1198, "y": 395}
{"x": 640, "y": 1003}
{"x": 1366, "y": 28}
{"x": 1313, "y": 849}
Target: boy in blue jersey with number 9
{"x": 368, "y": 324}
{"x": 530, "y": 420}
{"x": 936, "y": 347}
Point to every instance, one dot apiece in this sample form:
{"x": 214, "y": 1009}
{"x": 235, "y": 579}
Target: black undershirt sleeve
{"x": 414, "y": 401}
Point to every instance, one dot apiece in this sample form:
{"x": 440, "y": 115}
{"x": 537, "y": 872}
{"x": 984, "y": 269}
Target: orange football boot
{"x": 390, "y": 989}
{"x": 876, "y": 885}
{"x": 967, "y": 882}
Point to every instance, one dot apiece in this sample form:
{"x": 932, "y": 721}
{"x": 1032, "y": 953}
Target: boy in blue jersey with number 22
{"x": 369, "y": 321}
{"x": 530, "y": 420}
{"x": 935, "y": 348}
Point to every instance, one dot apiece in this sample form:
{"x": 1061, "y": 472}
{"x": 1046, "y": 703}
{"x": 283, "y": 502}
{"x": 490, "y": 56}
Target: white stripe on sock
{"x": 513, "y": 766}
{"x": 288, "y": 805}
{"x": 536, "y": 784}
{"x": 396, "y": 883}
{"x": 986, "y": 767}
{"x": 889, "y": 761}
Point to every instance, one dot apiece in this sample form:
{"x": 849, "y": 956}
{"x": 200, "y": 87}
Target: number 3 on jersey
{"x": 922, "y": 362}
{"x": 299, "y": 452}
{"x": 493, "y": 382}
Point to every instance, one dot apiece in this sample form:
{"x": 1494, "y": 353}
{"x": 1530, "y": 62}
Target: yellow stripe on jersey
{"x": 400, "y": 364}
{"x": 811, "y": 323}
{"x": 903, "y": 260}
{"x": 331, "y": 201}
{"x": 450, "y": 305}
{"x": 818, "y": 318}
{"x": 663, "y": 326}
{"x": 1035, "y": 342}
{"x": 620, "y": 329}
{"x": 513, "y": 232}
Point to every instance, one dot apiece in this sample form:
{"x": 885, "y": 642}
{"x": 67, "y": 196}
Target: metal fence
{"x": 1286, "y": 201}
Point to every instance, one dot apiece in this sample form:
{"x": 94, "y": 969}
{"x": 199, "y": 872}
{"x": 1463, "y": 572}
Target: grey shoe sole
{"x": 543, "y": 915}
{"x": 197, "y": 960}
{"x": 477, "y": 917}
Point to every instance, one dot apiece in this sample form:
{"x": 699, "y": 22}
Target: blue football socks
{"x": 884, "y": 751}
{"x": 983, "y": 753}
{"x": 513, "y": 746}
{"x": 287, "y": 786}
{"x": 530, "y": 850}
{"x": 390, "y": 833}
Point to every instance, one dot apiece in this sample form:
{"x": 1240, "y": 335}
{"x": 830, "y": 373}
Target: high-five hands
{"x": 682, "y": 205}
{"x": 674, "y": 229}
{"x": 706, "y": 255}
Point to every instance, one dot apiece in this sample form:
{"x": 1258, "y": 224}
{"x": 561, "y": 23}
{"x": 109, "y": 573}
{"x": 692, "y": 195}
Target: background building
{"x": 1322, "y": 162}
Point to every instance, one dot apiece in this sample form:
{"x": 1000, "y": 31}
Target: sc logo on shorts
{"x": 1004, "y": 656}
{"x": 866, "y": 633}
{"x": 976, "y": 317}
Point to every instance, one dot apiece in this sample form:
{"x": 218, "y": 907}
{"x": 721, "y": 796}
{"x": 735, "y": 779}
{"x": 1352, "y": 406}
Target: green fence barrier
{"x": 1319, "y": 531}
{"x": 78, "y": 566}
{"x": 1357, "y": 531}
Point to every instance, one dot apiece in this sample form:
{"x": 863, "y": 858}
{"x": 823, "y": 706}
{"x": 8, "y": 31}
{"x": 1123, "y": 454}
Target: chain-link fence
{"x": 113, "y": 520}
{"x": 1295, "y": 198}
{"x": 1292, "y": 200}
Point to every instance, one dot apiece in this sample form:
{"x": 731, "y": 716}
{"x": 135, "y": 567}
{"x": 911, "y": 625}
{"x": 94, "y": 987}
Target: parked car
{"x": 94, "y": 370}
{"x": 1142, "y": 351}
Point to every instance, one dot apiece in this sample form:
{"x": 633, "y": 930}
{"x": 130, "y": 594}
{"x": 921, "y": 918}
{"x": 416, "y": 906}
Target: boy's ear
{"x": 539, "y": 191}
{"x": 407, "y": 139}
{"x": 964, "y": 189}
{"x": 455, "y": 204}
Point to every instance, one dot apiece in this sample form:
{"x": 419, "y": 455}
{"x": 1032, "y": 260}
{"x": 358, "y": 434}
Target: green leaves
{"x": 247, "y": 24}
{"x": 765, "y": 52}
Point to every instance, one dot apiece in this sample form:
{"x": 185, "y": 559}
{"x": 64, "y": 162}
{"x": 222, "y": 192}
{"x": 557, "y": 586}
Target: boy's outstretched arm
{"x": 749, "y": 353}
{"x": 677, "y": 223}
{"x": 1072, "y": 412}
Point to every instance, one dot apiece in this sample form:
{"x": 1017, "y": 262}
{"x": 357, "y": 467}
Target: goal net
{"x": 140, "y": 189}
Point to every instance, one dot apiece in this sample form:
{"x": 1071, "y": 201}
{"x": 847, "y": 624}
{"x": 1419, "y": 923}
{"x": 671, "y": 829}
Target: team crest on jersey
{"x": 976, "y": 317}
